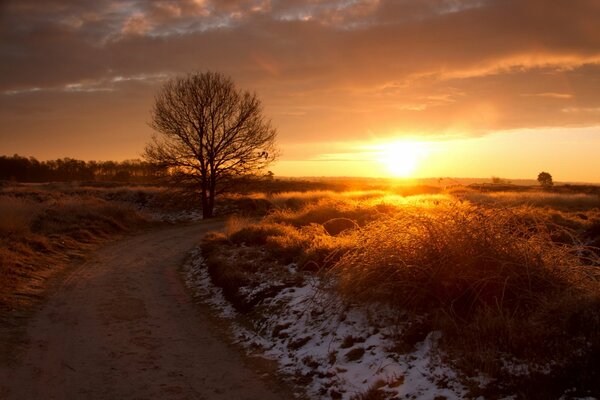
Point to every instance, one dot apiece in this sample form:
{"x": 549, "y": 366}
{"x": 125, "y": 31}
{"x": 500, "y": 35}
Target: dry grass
{"x": 298, "y": 200}
{"x": 235, "y": 224}
{"x": 233, "y": 268}
{"x": 503, "y": 276}
{"x": 323, "y": 211}
{"x": 16, "y": 215}
{"x": 38, "y": 239}
{"x": 459, "y": 257}
{"x": 41, "y": 234}
{"x": 148, "y": 197}
{"x": 557, "y": 201}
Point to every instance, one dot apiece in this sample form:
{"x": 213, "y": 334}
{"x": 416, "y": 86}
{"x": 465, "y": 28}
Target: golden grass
{"x": 459, "y": 257}
{"x": 235, "y": 224}
{"x": 297, "y": 200}
{"x": 558, "y": 201}
{"x": 503, "y": 276}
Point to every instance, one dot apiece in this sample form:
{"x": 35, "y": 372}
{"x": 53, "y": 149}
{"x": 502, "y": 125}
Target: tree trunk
{"x": 207, "y": 207}
{"x": 211, "y": 196}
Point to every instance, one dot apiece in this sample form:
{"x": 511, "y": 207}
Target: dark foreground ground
{"x": 122, "y": 327}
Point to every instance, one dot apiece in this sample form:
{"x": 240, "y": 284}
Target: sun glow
{"x": 402, "y": 158}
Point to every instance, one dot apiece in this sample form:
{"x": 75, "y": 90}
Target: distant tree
{"x": 496, "y": 180}
{"x": 209, "y": 133}
{"x": 545, "y": 179}
{"x": 24, "y": 169}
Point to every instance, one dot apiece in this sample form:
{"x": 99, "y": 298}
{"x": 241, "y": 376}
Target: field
{"x": 387, "y": 292}
{"x": 44, "y": 227}
{"x": 448, "y": 293}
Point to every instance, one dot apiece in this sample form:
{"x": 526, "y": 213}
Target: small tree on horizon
{"x": 496, "y": 180}
{"x": 545, "y": 179}
{"x": 208, "y": 134}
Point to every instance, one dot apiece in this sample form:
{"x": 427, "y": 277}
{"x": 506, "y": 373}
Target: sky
{"x": 466, "y": 88}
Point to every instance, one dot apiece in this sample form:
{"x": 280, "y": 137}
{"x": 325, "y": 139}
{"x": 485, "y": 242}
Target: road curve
{"x": 122, "y": 326}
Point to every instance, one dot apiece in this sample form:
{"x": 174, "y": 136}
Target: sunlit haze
{"x": 461, "y": 88}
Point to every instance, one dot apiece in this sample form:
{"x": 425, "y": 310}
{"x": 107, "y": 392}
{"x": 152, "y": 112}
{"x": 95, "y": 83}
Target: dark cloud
{"x": 327, "y": 69}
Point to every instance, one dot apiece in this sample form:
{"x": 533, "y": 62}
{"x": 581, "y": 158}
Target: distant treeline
{"x": 23, "y": 169}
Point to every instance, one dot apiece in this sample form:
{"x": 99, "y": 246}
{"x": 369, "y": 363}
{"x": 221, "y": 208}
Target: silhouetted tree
{"x": 24, "y": 169}
{"x": 209, "y": 133}
{"x": 545, "y": 179}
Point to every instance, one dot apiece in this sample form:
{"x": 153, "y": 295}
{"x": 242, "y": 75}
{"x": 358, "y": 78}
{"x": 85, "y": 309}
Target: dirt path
{"x": 123, "y": 327}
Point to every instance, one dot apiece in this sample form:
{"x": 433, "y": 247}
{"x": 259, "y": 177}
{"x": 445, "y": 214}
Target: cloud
{"x": 326, "y": 69}
{"x": 550, "y": 95}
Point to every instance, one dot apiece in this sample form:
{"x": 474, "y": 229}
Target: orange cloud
{"x": 328, "y": 70}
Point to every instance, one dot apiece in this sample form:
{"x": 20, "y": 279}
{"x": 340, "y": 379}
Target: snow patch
{"x": 174, "y": 217}
{"x": 330, "y": 348}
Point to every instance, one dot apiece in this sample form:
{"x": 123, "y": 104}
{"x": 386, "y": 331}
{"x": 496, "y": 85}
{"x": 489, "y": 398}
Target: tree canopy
{"x": 208, "y": 133}
{"x": 545, "y": 179}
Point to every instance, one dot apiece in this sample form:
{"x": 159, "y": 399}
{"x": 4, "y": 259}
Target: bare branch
{"x": 209, "y": 133}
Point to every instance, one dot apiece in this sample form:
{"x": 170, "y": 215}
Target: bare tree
{"x": 208, "y": 134}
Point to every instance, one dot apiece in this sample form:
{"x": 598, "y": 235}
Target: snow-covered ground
{"x": 330, "y": 348}
{"x": 175, "y": 216}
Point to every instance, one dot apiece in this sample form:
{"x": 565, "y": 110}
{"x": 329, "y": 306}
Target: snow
{"x": 197, "y": 278}
{"x": 331, "y": 348}
{"x": 173, "y": 216}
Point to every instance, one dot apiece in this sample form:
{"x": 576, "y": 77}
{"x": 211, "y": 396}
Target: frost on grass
{"x": 198, "y": 280}
{"x": 174, "y": 216}
{"x": 328, "y": 347}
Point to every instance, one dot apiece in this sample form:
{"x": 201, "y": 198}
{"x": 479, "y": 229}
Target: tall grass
{"x": 558, "y": 201}
{"x": 17, "y": 215}
{"x": 458, "y": 257}
{"x": 506, "y": 282}
{"x": 77, "y": 215}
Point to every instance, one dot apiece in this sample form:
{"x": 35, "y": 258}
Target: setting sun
{"x": 402, "y": 158}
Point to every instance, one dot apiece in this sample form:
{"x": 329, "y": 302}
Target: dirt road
{"x": 122, "y": 326}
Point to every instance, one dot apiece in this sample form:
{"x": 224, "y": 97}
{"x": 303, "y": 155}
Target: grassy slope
{"x": 41, "y": 234}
